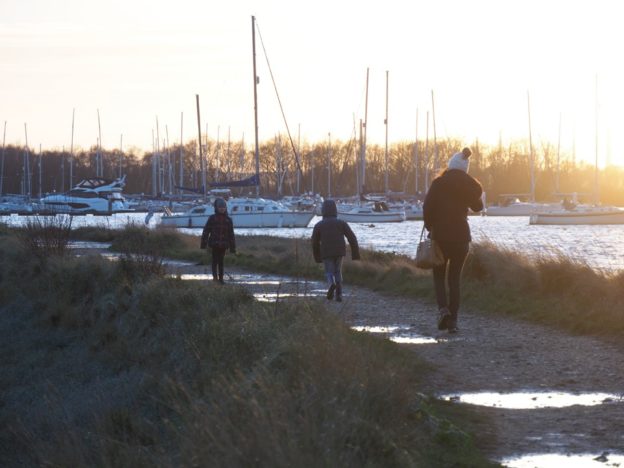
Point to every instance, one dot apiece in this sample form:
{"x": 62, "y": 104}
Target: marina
{"x": 599, "y": 246}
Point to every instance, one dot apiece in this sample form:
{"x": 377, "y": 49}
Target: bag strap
{"x": 422, "y": 233}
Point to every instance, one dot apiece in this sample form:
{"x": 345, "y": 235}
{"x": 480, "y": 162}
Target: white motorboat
{"x": 91, "y": 196}
{"x": 370, "y": 213}
{"x": 519, "y": 208}
{"x": 580, "y": 215}
{"x": 413, "y": 211}
{"x": 245, "y": 213}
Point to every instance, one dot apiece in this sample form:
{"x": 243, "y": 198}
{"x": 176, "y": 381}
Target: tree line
{"x": 327, "y": 168}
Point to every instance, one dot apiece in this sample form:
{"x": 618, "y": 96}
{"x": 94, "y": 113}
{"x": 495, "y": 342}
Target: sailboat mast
{"x": 558, "y": 155}
{"x": 298, "y": 152}
{"x": 99, "y": 166}
{"x": 596, "y": 195}
{"x": 255, "y": 81}
{"x": 181, "y": 175}
{"x": 427, "y": 154}
{"x": 365, "y": 131}
{"x": 120, "y": 153}
{"x": 531, "y": 162}
{"x": 2, "y": 168}
{"x": 329, "y": 153}
{"x": 201, "y": 152}
{"x": 40, "y": 174}
{"x": 27, "y": 180}
{"x": 416, "y": 156}
{"x": 386, "y": 150}
{"x": 436, "y": 161}
{"x": 71, "y": 153}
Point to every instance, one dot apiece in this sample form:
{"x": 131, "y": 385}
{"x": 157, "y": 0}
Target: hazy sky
{"x": 139, "y": 61}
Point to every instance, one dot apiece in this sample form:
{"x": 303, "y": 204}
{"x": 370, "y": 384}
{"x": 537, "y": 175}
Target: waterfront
{"x": 600, "y": 246}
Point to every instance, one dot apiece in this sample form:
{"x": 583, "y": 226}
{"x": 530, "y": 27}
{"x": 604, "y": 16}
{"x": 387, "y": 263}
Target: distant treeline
{"x": 501, "y": 169}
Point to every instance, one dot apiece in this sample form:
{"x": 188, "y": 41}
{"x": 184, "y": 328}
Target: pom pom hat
{"x": 460, "y": 160}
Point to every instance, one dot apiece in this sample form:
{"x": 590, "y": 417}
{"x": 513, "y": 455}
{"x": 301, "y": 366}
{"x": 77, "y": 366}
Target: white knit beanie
{"x": 460, "y": 160}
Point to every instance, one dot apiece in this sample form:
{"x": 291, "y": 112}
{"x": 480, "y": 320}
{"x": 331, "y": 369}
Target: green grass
{"x": 115, "y": 364}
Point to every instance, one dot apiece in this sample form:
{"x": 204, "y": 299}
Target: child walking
{"x": 218, "y": 235}
{"x": 328, "y": 246}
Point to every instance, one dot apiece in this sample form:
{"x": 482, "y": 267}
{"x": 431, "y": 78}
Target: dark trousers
{"x": 218, "y": 253}
{"x": 454, "y": 257}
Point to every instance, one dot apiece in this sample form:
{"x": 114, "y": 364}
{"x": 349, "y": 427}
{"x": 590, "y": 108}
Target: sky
{"x": 476, "y": 66}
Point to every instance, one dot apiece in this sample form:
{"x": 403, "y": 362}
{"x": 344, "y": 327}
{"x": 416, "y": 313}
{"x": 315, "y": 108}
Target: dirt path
{"x": 492, "y": 354}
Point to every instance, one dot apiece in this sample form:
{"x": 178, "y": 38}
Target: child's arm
{"x": 205, "y": 235}
{"x": 353, "y": 243}
{"x": 232, "y": 238}
{"x": 316, "y": 245}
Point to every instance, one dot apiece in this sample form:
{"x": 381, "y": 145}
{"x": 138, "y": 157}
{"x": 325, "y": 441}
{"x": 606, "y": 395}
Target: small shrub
{"x": 47, "y": 235}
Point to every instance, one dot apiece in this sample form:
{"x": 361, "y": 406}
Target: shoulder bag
{"x": 428, "y": 253}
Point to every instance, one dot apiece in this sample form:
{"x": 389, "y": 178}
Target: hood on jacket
{"x": 328, "y": 209}
{"x": 219, "y": 202}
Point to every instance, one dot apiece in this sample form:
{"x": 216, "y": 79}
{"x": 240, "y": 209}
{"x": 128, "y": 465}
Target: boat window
{"x": 81, "y": 194}
{"x": 199, "y": 210}
{"x": 260, "y": 208}
{"x": 247, "y": 208}
{"x": 235, "y": 209}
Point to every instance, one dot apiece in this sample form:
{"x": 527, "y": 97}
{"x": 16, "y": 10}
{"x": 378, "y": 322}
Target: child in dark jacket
{"x": 328, "y": 246}
{"x": 218, "y": 235}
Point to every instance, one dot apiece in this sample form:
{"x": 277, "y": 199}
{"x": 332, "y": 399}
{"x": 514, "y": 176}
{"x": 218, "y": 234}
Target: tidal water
{"x": 601, "y": 247}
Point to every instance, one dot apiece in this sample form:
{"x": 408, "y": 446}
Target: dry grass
{"x": 109, "y": 368}
{"x": 46, "y": 236}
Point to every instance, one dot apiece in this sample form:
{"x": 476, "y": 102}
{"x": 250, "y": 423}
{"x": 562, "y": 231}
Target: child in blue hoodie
{"x": 328, "y": 246}
{"x": 218, "y": 235}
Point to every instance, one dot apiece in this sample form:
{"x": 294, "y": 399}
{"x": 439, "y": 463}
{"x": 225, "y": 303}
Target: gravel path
{"x": 491, "y": 354}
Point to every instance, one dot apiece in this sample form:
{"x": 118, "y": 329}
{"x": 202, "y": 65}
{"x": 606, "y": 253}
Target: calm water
{"x": 601, "y": 247}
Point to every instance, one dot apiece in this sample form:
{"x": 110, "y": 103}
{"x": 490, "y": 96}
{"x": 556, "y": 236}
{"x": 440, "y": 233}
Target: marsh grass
{"x": 142, "y": 249}
{"x": 46, "y": 236}
{"x": 119, "y": 369}
{"x": 551, "y": 289}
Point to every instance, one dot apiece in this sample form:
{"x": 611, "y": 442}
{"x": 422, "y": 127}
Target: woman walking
{"x": 445, "y": 213}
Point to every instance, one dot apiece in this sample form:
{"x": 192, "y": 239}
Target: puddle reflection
{"x": 413, "y": 339}
{"x": 533, "y": 400}
{"x": 272, "y": 297}
{"x": 569, "y": 461}
{"x": 114, "y": 256}
{"x": 400, "y": 337}
{"x": 378, "y": 329}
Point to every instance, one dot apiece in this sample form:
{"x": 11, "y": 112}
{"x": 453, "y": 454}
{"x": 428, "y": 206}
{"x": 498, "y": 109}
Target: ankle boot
{"x": 339, "y": 292}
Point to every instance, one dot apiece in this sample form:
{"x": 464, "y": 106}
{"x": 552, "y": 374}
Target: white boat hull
{"x": 520, "y": 209}
{"x": 243, "y": 220}
{"x": 384, "y": 217}
{"x": 612, "y": 216}
{"x": 245, "y": 213}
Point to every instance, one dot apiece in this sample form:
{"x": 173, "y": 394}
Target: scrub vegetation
{"x": 118, "y": 364}
{"x": 552, "y": 289}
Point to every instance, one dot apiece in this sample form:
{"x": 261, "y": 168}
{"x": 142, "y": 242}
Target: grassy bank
{"x": 116, "y": 364}
{"x": 555, "y": 291}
